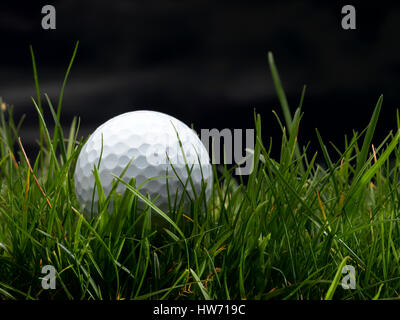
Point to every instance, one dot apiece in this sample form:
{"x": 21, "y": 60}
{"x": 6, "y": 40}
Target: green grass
{"x": 285, "y": 234}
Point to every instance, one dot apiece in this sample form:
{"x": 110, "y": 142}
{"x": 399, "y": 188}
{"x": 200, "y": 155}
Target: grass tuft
{"x": 285, "y": 234}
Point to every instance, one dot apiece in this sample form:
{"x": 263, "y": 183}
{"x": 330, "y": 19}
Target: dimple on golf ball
{"x": 150, "y": 140}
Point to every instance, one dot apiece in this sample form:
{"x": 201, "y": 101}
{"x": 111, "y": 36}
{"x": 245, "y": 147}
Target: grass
{"x": 284, "y": 234}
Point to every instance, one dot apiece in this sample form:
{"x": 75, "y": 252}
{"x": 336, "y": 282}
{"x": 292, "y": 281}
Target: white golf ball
{"x": 150, "y": 139}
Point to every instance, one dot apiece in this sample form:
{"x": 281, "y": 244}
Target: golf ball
{"x": 150, "y": 140}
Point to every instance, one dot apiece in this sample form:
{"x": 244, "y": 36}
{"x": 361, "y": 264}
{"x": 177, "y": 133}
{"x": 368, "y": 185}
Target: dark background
{"x": 205, "y": 62}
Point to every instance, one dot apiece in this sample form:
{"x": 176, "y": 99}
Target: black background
{"x": 253, "y": 308}
{"x": 205, "y": 62}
